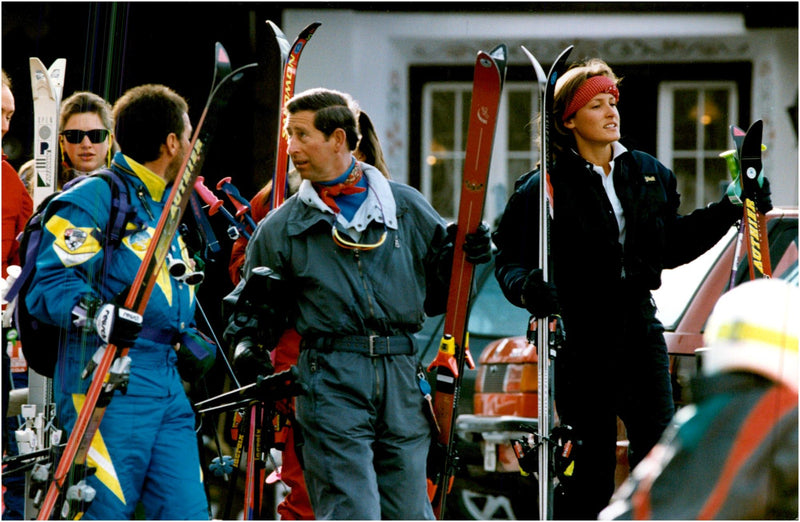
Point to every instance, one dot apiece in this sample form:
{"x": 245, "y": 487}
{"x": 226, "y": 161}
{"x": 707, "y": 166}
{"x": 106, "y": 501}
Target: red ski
{"x": 111, "y": 368}
{"x": 454, "y": 350}
{"x": 289, "y": 78}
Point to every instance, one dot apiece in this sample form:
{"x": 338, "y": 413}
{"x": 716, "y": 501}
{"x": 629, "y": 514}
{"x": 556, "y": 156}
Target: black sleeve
{"x": 516, "y": 238}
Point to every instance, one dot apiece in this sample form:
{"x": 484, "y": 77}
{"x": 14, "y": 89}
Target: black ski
{"x": 754, "y": 221}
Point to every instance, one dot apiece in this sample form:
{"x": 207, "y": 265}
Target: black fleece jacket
{"x": 590, "y": 266}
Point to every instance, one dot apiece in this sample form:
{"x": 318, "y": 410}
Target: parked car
{"x": 498, "y": 401}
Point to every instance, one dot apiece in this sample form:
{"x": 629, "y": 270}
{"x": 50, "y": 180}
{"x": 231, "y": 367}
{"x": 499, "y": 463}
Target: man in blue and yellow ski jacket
{"x": 146, "y": 448}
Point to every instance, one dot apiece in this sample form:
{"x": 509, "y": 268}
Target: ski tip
{"x": 499, "y": 52}
{"x": 276, "y": 30}
{"x": 559, "y": 65}
{"x": 537, "y": 67}
{"x": 221, "y": 54}
{"x": 37, "y": 63}
{"x": 309, "y": 29}
{"x": 756, "y": 127}
{"x": 500, "y": 56}
{"x": 57, "y": 66}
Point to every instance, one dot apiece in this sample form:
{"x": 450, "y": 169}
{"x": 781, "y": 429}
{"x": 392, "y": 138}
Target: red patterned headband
{"x": 588, "y": 90}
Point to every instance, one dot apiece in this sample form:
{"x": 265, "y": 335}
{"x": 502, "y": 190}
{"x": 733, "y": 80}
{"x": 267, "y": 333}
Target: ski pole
{"x": 216, "y": 340}
{"x": 216, "y": 205}
{"x": 241, "y": 204}
{"x": 209, "y": 238}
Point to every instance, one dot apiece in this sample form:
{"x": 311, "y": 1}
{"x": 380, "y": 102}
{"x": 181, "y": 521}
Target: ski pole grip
{"x": 230, "y": 190}
{"x": 207, "y": 196}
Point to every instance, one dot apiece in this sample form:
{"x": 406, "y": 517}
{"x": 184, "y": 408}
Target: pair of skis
{"x": 453, "y": 352}
{"x": 111, "y": 367}
{"x": 745, "y": 166}
{"x": 47, "y": 86}
{"x": 549, "y": 330}
{"x": 291, "y": 61}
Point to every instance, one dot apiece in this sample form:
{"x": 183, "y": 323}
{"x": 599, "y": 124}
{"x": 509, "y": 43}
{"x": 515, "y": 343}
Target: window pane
{"x": 685, "y": 135}
{"x": 716, "y": 179}
{"x": 686, "y": 172}
{"x": 443, "y": 106}
{"x": 443, "y": 172}
{"x": 519, "y": 120}
{"x": 715, "y": 119}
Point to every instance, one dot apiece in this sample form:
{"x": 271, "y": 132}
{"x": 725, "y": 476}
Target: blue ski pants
{"x": 146, "y": 451}
{"x": 366, "y": 436}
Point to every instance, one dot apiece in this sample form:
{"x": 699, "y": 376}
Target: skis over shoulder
{"x": 453, "y": 351}
{"x": 103, "y": 383}
{"x": 287, "y": 91}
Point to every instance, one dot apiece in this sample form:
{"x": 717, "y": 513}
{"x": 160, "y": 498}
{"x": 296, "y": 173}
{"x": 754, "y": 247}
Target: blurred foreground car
{"x": 498, "y": 401}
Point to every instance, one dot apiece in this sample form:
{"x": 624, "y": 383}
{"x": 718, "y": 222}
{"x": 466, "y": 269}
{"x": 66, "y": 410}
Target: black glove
{"x": 117, "y": 325}
{"x": 540, "y": 298}
{"x": 251, "y": 360}
{"x": 478, "y": 245}
{"x": 761, "y": 195}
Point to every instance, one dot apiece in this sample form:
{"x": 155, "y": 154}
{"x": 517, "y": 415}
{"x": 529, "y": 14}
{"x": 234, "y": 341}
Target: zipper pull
{"x": 143, "y": 200}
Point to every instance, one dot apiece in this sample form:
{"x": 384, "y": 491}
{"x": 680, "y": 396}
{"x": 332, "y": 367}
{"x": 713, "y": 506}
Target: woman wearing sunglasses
{"x": 86, "y": 140}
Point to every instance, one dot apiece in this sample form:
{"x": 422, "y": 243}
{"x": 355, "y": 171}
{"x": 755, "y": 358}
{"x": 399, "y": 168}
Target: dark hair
{"x": 369, "y": 145}
{"x": 566, "y": 87}
{"x": 332, "y": 110}
{"x": 145, "y": 116}
{"x": 7, "y": 80}
{"x": 83, "y": 102}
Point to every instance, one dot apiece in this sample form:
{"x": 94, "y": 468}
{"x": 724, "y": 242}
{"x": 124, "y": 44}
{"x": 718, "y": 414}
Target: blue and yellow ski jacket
{"x": 70, "y": 265}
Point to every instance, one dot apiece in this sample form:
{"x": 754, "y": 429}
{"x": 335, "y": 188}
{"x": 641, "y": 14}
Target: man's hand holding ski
{"x": 117, "y": 325}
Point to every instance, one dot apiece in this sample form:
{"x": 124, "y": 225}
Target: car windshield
{"x": 493, "y": 316}
{"x": 679, "y": 284}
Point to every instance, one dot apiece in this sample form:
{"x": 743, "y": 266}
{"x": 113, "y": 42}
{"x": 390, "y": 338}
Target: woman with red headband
{"x": 615, "y": 227}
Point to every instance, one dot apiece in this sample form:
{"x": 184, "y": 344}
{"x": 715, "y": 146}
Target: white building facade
{"x": 383, "y": 58}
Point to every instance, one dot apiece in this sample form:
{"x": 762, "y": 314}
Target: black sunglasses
{"x": 75, "y": 136}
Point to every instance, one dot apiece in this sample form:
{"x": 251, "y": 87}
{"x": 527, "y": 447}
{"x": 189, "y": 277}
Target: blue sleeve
{"x": 70, "y": 256}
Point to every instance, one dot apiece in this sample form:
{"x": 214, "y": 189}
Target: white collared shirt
{"x": 378, "y": 206}
{"x": 608, "y": 185}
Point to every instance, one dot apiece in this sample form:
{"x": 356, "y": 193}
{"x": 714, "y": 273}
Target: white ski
{"x": 47, "y": 86}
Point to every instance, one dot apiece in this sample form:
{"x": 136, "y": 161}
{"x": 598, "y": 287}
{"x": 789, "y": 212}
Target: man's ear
{"x": 171, "y": 146}
{"x": 340, "y": 137}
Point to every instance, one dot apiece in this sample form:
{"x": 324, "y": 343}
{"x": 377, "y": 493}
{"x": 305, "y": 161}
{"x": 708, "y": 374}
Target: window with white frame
{"x": 694, "y": 122}
{"x": 445, "y": 120}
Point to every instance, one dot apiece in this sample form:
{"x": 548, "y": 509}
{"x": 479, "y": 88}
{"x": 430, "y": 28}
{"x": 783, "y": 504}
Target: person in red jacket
{"x": 17, "y": 204}
{"x": 17, "y": 209}
{"x": 296, "y": 505}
